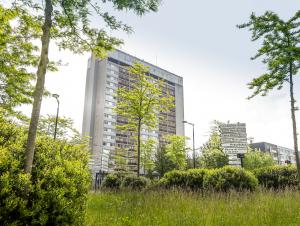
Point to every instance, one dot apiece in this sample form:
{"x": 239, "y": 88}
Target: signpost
{"x": 234, "y": 141}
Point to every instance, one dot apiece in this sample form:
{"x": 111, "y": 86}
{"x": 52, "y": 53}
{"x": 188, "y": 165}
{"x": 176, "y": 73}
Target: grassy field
{"x": 180, "y": 208}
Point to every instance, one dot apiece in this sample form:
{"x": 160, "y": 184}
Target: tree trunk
{"x": 39, "y": 88}
{"x": 139, "y": 148}
{"x": 293, "y": 110}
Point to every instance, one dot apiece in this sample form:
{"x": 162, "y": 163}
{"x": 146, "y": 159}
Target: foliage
{"x": 116, "y": 181}
{"x": 147, "y": 156}
{"x": 55, "y": 193}
{"x": 162, "y": 162}
{"x": 281, "y": 53}
{"x": 223, "y": 179}
{"x": 214, "y": 159}
{"x": 175, "y": 178}
{"x": 120, "y": 160}
{"x": 134, "y": 182}
{"x": 191, "y": 179}
{"x": 212, "y": 153}
{"x": 214, "y": 142}
{"x": 112, "y": 181}
{"x": 139, "y": 105}
{"x": 65, "y": 127}
{"x": 279, "y": 49}
{"x": 277, "y": 177}
{"x": 255, "y": 159}
{"x": 168, "y": 207}
{"x": 195, "y": 178}
{"x": 176, "y": 151}
{"x": 230, "y": 178}
{"x": 71, "y": 25}
{"x": 17, "y": 55}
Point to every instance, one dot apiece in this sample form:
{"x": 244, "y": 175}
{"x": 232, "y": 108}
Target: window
{"x": 109, "y": 116}
{"x": 109, "y": 123}
{"x": 109, "y": 103}
{"x": 109, "y": 130}
{"x": 109, "y": 137}
{"x": 110, "y": 90}
{"x": 109, "y": 97}
{"x": 112, "y": 66}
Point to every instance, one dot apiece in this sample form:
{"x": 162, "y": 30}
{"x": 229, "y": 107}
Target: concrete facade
{"x": 99, "y": 120}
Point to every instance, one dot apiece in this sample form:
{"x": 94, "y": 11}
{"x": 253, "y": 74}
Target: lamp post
{"x": 56, "y": 96}
{"x": 194, "y": 154}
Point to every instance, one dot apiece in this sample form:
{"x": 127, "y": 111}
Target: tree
{"x": 281, "y": 53}
{"x": 214, "y": 142}
{"x": 147, "y": 155}
{"x": 141, "y": 104}
{"x": 176, "y": 151}
{"x": 65, "y": 127}
{"x": 17, "y": 55}
{"x": 214, "y": 159}
{"x": 120, "y": 161}
{"x": 162, "y": 162}
{"x": 213, "y": 155}
{"x": 68, "y": 23}
{"x": 255, "y": 159}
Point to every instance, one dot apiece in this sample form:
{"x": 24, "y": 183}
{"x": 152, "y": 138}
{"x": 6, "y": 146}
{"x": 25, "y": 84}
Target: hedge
{"x": 118, "y": 181}
{"x": 175, "y": 178}
{"x": 230, "y": 178}
{"x": 112, "y": 181}
{"x": 223, "y": 179}
{"x": 277, "y": 177}
{"x": 134, "y": 182}
{"x": 195, "y": 178}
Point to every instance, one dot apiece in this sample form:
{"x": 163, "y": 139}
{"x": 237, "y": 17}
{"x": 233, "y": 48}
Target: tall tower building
{"x": 104, "y": 76}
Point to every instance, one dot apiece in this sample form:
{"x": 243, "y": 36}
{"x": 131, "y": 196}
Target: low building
{"x": 281, "y": 155}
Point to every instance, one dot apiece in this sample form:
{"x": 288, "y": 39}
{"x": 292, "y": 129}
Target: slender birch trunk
{"x": 139, "y": 149}
{"x": 293, "y": 110}
{"x": 39, "y": 88}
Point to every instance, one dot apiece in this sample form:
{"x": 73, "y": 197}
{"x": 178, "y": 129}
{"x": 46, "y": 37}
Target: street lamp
{"x": 56, "y": 96}
{"x": 194, "y": 154}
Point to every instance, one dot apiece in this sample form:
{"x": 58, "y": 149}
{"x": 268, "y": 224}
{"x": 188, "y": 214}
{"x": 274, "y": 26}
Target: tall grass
{"x": 261, "y": 208}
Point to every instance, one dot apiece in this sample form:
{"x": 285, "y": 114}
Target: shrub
{"x": 56, "y": 191}
{"x": 214, "y": 158}
{"x": 134, "y": 182}
{"x": 175, "y": 178}
{"x": 277, "y": 177}
{"x": 195, "y": 178}
{"x": 112, "y": 181}
{"x": 230, "y": 178}
{"x": 257, "y": 159}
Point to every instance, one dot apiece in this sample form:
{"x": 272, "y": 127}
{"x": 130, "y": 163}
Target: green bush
{"x": 175, "y": 178}
{"x": 255, "y": 159}
{"x": 277, "y": 177}
{"x": 195, "y": 178}
{"x": 134, "y": 182}
{"x": 56, "y": 191}
{"x": 223, "y": 179}
{"x": 112, "y": 181}
{"x": 230, "y": 178}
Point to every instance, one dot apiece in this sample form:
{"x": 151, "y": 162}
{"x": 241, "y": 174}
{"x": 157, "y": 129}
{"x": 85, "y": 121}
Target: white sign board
{"x": 234, "y": 140}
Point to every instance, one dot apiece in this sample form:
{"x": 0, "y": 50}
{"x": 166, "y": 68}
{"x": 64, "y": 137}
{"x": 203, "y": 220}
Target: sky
{"x": 198, "y": 40}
